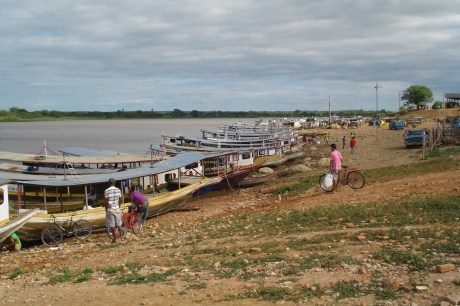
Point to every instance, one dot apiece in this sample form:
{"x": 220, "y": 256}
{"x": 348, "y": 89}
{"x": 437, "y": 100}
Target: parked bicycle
{"x": 54, "y": 233}
{"x": 353, "y": 177}
{"x": 132, "y": 220}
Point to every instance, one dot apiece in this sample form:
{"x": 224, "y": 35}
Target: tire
{"x": 52, "y": 235}
{"x": 123, "y": 226}
{"x": 356, "y": 180}
{"x": 82, "y": 229}
{"x": 321, "y": 179}
{"x": 138, "y": 225}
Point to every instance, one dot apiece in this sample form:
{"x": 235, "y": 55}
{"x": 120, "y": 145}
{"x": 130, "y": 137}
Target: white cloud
{"x": 232, "y": 55}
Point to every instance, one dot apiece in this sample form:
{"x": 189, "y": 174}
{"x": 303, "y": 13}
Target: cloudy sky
{"x": 224, "y": 55}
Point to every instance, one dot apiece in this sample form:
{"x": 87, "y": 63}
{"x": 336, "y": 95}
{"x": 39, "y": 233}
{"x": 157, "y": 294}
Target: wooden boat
{"x": 222, "y": 182}
{"x": 10, "y": 224}
{"x": 73, "y": 161}
{"x": 153, "y": 181}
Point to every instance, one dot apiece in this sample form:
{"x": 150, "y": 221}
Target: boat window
{"x": 191, "y": 166}
{"x": 246, "y": 155}
{"x": 1, "y": 196}
{"x": 172, "y": 140}
{"x": 168, "y": 177}
{"x": 261, "y": 152}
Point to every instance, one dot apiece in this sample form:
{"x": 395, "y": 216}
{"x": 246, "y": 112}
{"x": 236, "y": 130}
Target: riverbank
{"x": 394, "y": 242}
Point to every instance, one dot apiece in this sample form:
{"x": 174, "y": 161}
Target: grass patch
{"x": 347, "y": 289}
{"x": 203, "y": 251}
{"x": 444, "y": 152}
{"x": 273, "y": 293}
{"x": 65, "y": 275}
{"x": 15, "y": 273}
{"x": 299, "y": 187}
{"x": 136, "y": 279}
{"x": 416, "y": 262}
{"x": 112, "y": 270}
{"x": 386, "y": 294}
{"x": 434, "y": 210}
{"x": 197, "y": 286}
{"x": 83, "y": 276}
{"x": 438, "y": 164}
{"x": 134, "y": 266}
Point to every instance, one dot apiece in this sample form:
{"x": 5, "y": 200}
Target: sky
{"x": 238, "y": 55}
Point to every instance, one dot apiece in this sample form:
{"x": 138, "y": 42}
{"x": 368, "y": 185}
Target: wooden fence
{"x": 439, "y": 136}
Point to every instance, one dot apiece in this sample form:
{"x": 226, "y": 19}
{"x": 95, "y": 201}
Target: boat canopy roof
{"x": 56, "y": 159}
{"x": 173, "y": 163}
{"x": 79, "y": 151}
{"x": 4, "y": 181}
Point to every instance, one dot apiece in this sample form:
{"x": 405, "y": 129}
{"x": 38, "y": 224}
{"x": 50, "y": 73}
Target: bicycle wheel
{"x": 52, "y": 235}
{"x": 123, "y": 226}
{"x": 324, "y": 186}
{"x": 137, "y": 224}
{"x": 355, "y": 180}
{"x": 82, "y": 229}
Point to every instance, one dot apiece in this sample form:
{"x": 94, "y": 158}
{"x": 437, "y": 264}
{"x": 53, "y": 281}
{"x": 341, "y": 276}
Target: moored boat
{"x": 73, "y": 161}
{"x": 10, "y": 224}
{"x": 153, "y": 181}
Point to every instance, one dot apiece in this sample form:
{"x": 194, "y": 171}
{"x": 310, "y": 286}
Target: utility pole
{"x": 330, "y": 117}
{"x": 377, "y": 86}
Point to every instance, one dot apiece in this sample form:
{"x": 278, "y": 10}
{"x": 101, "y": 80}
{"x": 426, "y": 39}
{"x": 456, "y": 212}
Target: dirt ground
{"x": 171, "y": 233}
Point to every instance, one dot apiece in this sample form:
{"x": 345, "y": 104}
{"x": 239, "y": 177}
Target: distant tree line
{"x": 20, "y": 114}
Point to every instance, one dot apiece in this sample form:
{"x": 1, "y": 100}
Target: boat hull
{"x": 158, "y": 204}
{"x": 10, "y": 227}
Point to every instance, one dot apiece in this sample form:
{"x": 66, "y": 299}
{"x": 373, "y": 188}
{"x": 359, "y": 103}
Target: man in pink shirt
{"x": 335, "y": 164}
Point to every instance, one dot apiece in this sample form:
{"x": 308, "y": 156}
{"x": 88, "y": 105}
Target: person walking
{"x": 327, "y": 138}
{"x": 141, "y": 202}
{"x": 112, "y": 210}
{"x": 344, "y": 140}
{"x": 352, "y": 145}
{"x": 335, "y": 164}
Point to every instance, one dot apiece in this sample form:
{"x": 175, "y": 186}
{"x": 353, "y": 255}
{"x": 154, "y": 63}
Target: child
{"x": 352, "y": 144}
{"x": 12, "y": 243}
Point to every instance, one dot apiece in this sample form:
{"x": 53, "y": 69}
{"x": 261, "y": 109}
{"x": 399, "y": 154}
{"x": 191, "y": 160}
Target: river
{"x": 125, "y": 136}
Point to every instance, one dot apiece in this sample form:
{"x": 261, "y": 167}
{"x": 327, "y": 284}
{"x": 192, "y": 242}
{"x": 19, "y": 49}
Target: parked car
{"x": 397, "y": 125}
{"x": 416, "y": 137}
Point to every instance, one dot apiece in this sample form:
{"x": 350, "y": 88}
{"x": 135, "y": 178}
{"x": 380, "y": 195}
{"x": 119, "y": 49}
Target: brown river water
{"x": 124, "y": 136}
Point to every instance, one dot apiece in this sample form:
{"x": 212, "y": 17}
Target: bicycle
{"x": 132, "y": 220}
{"x": 353, "y": 177}
{"x": 54, "y": 233}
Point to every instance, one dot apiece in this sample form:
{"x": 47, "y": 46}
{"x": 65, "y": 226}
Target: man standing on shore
{"x": 335, "y": 165}
{"x": 112, "y": 210}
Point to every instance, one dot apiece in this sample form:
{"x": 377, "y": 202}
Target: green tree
{"x": 437, "y": 105}
{"x": 177, "y": 113}
{"x": 417, "y": 96}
